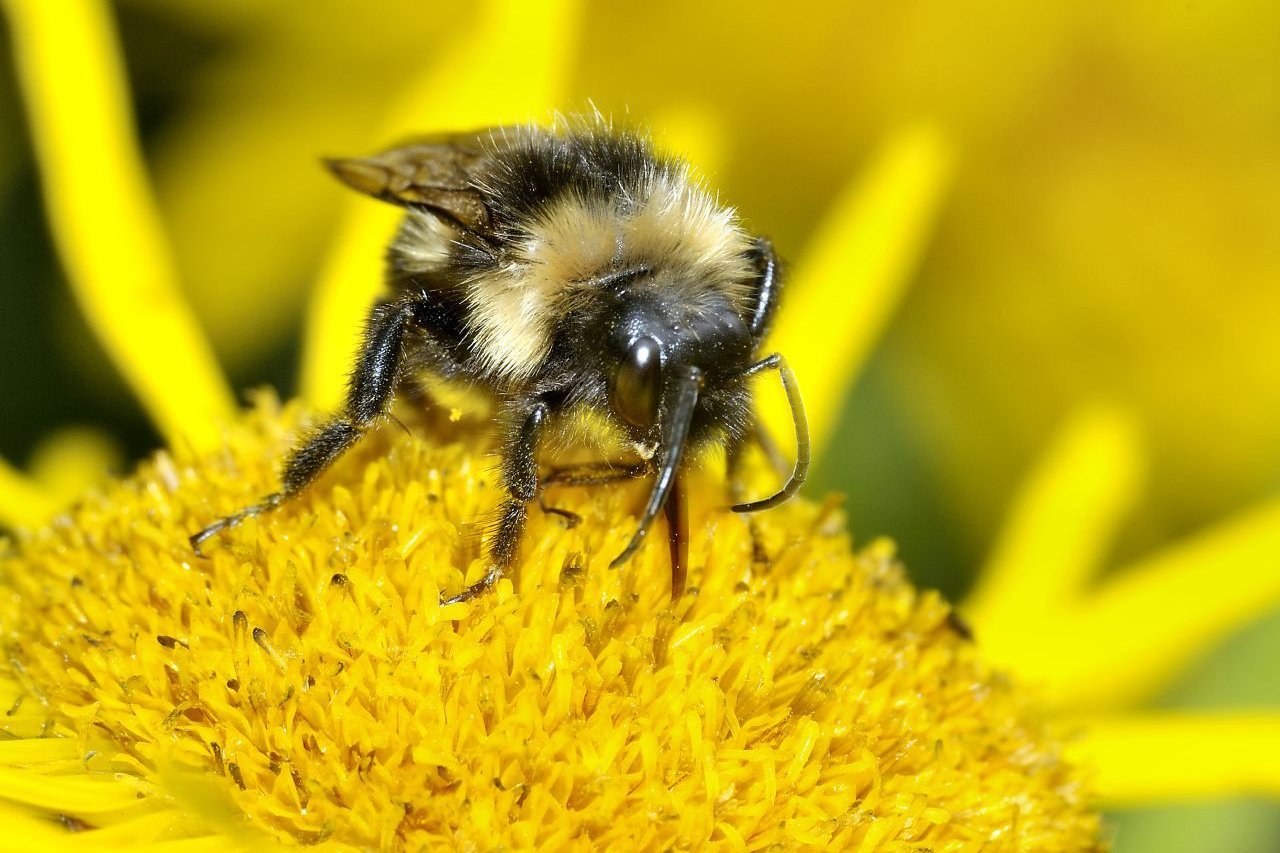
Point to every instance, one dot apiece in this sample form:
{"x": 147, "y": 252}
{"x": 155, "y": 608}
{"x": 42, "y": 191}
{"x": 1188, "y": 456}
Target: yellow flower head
{"x": 800, "y": 695}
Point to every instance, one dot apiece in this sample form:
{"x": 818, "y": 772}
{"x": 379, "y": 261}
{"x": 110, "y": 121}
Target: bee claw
{"x": 199, "y": 538}
{"x": 470, "y": 592}
{"x": 571, "y": 519}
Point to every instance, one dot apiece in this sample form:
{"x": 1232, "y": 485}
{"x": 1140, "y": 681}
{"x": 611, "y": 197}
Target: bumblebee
{"x": 568, "y": 270}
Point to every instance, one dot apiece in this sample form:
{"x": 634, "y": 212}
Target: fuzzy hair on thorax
{"x": 571, "y": 208}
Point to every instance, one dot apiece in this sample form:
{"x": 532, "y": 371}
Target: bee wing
{"x": 434, "y": 173}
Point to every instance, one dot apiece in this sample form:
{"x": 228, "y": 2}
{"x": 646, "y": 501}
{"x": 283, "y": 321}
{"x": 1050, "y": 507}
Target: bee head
{"x": 679, "y": 373}
{"x": 657, "y": 344}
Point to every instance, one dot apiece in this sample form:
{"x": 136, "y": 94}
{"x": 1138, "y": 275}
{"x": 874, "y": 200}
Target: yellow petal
{"x": 56, "y": 833}
{"x": 854, "y": 272}
{"x": 249, "y": 209}
{"x": 151, "y": 831}
{"x": 695, "y": 134}
{"x": 71, "y": 460}
{"x": 79, "y": 795}
{"x": 35, "y": 750}
{"x": 511, "y": 68}
{"x": 104, "y": 218}
{"x": 1154, "y": 758}
{"x": 1141, "y": 629}
{"x": 24, "y": 830}
{"x": 23, "y": 502}
{"x": 1061, "y": 523}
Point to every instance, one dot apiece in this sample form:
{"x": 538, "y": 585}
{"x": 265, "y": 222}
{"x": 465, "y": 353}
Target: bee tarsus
{"x": 267, "y": 504}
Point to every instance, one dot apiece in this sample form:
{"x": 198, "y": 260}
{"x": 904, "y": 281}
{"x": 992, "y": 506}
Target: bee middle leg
{"x": 587, "y": 474}
{"x": 594, "y": 473}
{"x": 520, "y": 479}
{"x": 373, "y": 384}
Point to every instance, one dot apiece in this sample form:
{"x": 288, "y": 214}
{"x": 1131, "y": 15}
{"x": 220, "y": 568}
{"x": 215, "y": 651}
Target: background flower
{"x": 1105, "y": 236}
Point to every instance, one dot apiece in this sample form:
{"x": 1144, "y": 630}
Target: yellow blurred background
{"x": 1110, "y": 235}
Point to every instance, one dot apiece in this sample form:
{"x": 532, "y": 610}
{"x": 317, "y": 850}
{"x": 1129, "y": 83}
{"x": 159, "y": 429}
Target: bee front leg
{"x": 767, "y": 284}
{"x": 372, "y": 385}
{"x": 520, "y": 478}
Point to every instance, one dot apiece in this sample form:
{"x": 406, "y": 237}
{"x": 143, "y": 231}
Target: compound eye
{"x": 635, "y": 387}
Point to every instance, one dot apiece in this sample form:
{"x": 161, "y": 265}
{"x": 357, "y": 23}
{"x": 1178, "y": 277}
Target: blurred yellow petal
{"x": 1143, "y": 628}
{"x": 250, "y": 211}
{"x": 160, "y": 831}
{"x": 80, "y": 794}
{"x": 120, "y": 819}
{"x": 513, "y": 67}
{"x": 28, "y": 751}
{"x": 853, "y": 274}
{"x": 1154, "y": 758}
{"x": 104, "y": 218}
{"x": 696, "y": 134}
{"x": 23, "y": 502}
{"x": 1137, "y": 632}
{"x": 71, "y": 460}
{"x": 24, "y": 831}
{"x": 205, "y": 844}
{"x": 156, "y": 833}
{"x": 1059, "y": 528}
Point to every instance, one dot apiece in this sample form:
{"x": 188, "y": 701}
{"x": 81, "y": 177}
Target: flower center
{"x": 309, "y": 676}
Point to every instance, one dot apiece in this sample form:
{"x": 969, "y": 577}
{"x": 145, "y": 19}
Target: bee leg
{"x": 766, "y": 285}
{"x": 373, "y": 383}
{"x": 267, "y": 504}
{"x": 520, "y": 478}
{"x": 368, "y": 396}
{"x": 799, "y": 421}
{"x": 571, "y": 518}
{"x": 594, "y": 473}
{"x": 588, "y": 474}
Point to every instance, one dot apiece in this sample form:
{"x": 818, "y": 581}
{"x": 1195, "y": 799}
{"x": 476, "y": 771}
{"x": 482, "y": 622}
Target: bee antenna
{"x": 677, "y": 430}
{"x": 801, "y": 469}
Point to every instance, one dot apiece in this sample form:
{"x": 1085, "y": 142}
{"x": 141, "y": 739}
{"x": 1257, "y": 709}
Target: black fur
{"x": 529, "y": 171}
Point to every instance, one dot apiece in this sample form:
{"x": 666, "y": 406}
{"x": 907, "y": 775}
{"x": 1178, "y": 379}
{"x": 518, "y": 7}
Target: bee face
{"x": 655, "y": 340}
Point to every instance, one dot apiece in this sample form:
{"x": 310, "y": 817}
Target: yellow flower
{"x": 811, "y": 699}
